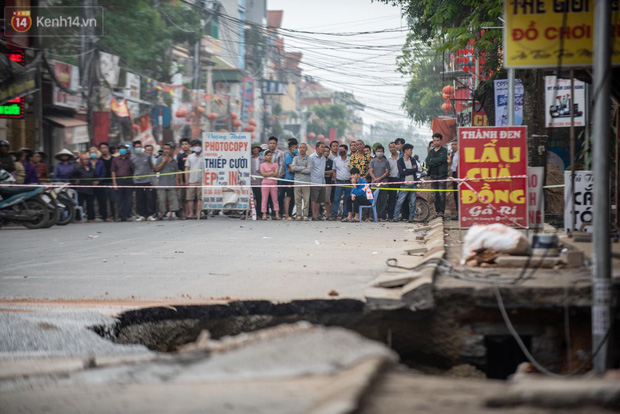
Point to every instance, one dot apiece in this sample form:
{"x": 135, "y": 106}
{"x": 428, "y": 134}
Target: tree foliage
{"x": 140, "y": 32}
{"x": 327, "y": 117}
{"x": 436, "y": 29}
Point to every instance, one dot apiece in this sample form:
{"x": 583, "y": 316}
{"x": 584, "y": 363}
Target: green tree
{"x": 438, "y": 28}
{"x": 327, "y": 117}
{"x": 140, "y": 32}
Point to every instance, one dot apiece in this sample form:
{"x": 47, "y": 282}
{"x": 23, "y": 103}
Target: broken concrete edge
{"x": 20, "y": 368}
{"x": 58, "y": 365}
{"x": 348, "y": 388}
{"x": 417, "y": 291}
{"x": 537, "y": 391}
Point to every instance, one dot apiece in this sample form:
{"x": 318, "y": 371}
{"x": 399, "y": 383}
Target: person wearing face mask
{"x": 302, "y": 166}
{"x": 97, "y": 165}
{"x": 122, "y": 173}
{"x": 194, "y": 167}
{"x": 290, "y": 175}
{"x": 86, "y": 175}
{"x": 408, "y": 172}
{"x": 379, "y": 172}
{"x": 143, "y": 172}
{"x": 343, "y": 176}
{"x": 65, "y": 169}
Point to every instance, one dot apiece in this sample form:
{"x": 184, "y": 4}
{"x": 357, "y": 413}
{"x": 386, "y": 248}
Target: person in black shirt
{"x": 107, "y": 196}
{"x": 181, "y": 158}
{"x": 437, "y": 164}
{"x": 8, "y": 164}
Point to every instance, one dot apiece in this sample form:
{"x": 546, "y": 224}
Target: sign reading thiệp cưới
{"x": 485, "y": 154}
{"x": 227, "y": 163}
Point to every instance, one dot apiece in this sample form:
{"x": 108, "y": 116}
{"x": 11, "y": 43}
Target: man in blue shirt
{"x": 290, "y": 175}
{"x": 358, "y": 194}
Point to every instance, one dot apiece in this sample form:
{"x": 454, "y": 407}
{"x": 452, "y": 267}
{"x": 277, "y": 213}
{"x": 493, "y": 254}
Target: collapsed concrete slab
{"x": 309, "y": 370}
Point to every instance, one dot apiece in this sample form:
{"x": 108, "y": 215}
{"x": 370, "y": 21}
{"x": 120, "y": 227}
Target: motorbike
{"x": 23, "y": 205}
{"x": 422, "y": 210}
{"x": 64, "y": 204}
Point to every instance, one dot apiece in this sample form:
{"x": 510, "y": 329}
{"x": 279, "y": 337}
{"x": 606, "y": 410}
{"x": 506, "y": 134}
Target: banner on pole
{"x": 558, "y": 101}
{"x": 501, "y": 102}
{"x": 488, "y": 153}
{"x": 227, "y": 163}
{"x": 535, "y": 197}
{"x": 583, "y": 201}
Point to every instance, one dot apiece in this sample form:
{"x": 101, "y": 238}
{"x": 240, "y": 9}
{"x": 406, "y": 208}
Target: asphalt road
{"x": 219, "y": 258}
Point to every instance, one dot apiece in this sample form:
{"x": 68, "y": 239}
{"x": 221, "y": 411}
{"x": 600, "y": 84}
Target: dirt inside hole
{"x": 452, "y": 339}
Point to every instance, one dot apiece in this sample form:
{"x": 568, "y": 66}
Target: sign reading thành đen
{"x": 485, "y": 154}
{"x": 227, "y": 166}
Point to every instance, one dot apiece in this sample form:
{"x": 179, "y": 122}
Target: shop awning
{"x": 446, "y": 126}
{"x": 65, "y": 121}
{"x": 70, "y": 131}
{"x": 225, "y": 72}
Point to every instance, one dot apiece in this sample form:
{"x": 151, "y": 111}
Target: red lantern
{"x": 213, "y": 116}
{"x": 311, "y": 135}
{"x": 201, "y": 109}
{"x": 447, "y": 106}
{"x": 237, "y": 123}
{"x": 253, "y": 135}
{"x": 253, "y": 122}
{"x": 181, "y": 113}
{"x": 466, "y": 69}
{"x": 249, "y": 128}
{"x": 448, "y": 90}
{"x": 320, "y": 137}
{"x": 233, "y": 115}
{"x": 445, "y": 97}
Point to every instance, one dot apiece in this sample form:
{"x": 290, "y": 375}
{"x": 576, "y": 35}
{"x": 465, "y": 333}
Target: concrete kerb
{"x": 413, "y": 290}
{"x": 19, "y": 368}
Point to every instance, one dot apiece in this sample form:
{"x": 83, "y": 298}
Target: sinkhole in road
{"x": 434, "y": 341}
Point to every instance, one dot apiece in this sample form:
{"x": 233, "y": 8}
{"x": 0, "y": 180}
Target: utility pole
{"x": 601, "y": 269}
{"x": 89, "y": 75}
{"x": 511, "y": 96}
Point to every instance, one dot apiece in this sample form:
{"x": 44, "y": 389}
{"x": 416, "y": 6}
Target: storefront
{"x": 65, "y": 132}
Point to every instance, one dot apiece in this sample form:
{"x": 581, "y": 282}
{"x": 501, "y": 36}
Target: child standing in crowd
{"x": 269, "y": 169}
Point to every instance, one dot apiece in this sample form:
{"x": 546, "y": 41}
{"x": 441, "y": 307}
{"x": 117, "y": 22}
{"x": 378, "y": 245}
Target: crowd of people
{"x": 334, "y": 181}
{"x": 331, "y": 183}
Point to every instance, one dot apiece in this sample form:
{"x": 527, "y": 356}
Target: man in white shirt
{"x": 194, "y": 167}
{"x": 343, "y": 176}
{"x": 317, "y": 176}
{"x": 333, "y": 150}
{"x": 392, "y": 178}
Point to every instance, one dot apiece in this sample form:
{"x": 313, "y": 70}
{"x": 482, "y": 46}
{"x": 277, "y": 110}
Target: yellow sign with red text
{"x": 535, "y": 30}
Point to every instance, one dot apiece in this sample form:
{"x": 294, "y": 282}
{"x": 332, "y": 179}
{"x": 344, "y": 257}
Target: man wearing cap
{"x": 256, "y": 178}
{"x": 122, "y": 171}
{"x": 65, "y": 169}
{"x": 5, "y": 158}
{"x": 358, "y": 193}
{"x": 194, "y": 167}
